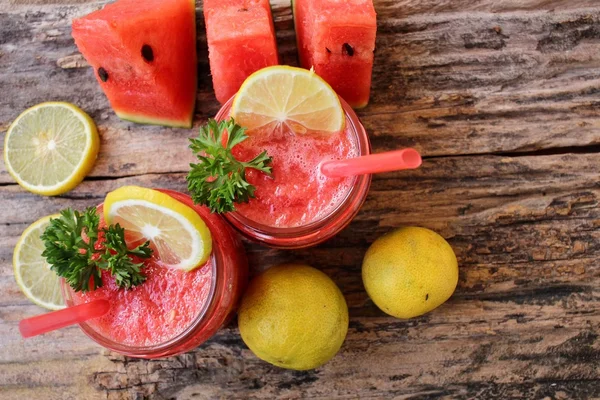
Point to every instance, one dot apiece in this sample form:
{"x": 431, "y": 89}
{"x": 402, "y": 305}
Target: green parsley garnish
{"x": 218, "y": 181}
{"x": 74, "y": 252}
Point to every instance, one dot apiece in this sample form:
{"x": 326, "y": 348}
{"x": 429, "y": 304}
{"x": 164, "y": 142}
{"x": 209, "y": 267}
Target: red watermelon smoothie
{"x": 172, "y": 311}
{"x": 297, "y": 206}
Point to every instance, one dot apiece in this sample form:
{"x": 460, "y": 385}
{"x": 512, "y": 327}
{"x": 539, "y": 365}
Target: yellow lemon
{"x": 409, "y": 272}
{"x": 293, "y": 316}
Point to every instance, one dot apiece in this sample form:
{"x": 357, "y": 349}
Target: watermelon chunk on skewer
{"x": 144, "y": 58}
{"x": 337, "y": 39}
{"x": 241, "y": 40}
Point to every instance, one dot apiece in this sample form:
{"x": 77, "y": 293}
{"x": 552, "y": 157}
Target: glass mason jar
{"x": 229, "y": 280}
{"x": 324, "y": 228}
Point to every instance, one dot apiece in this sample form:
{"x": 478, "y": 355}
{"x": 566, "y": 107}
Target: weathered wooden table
{"x": 503, "y": 99}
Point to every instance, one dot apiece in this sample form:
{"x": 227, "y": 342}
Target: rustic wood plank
{"x": 525, "y": 229}
{"x": 452, "y": 78}
{"x": 449, "y": 83}
{"x": 401, "y": 8}
{"x": 399, "y": 364}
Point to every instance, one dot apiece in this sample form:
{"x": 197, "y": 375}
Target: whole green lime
{"x": 409, "y": 272}
{"x": 293, "y": 316}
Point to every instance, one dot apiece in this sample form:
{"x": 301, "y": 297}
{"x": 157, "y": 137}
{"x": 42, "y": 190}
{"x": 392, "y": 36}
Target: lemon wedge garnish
{"x": 177, "y": 234}
{"x": 33, "y": 274}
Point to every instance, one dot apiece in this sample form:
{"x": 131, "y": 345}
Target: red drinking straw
{"x": 59, "y": 319}
{"x": 396, "y": 160}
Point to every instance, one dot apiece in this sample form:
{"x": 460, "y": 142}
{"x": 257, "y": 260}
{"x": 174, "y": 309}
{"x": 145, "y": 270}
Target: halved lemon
{"x": 179, "y": 237}
{"x": 51, "y": 147}
{"x": 33, "y": 274}
{"x": 294, "y": 97}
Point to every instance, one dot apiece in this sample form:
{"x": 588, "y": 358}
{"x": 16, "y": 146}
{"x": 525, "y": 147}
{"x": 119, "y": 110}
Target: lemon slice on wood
{"x": 51, "y": 147}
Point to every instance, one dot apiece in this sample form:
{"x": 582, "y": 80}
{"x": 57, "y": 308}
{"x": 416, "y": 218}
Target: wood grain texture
{"x": 503, "y": 99}
{"x": 449, "y": 83}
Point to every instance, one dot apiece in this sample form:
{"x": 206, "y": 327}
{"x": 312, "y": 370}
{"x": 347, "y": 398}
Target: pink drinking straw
{"x": 59, "y": 319}
{"x": 396, "y": 160}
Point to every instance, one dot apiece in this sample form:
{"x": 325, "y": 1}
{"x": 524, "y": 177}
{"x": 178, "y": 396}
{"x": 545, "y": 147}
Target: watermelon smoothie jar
{"x": 173, "y": 311}
{"x": 297, "y": 206}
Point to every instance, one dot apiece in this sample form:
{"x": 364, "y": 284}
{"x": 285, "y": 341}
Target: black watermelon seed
{"x": 147, "y": 53}
{"x": 102, "y": 74}
{"x": 242, "y": 10}
{"x": 347, "y": 49}
{"x": 427, "y": 297}
{"x": 327, "y": 48}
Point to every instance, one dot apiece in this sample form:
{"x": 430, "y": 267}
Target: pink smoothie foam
{"x": 296, "y": 193}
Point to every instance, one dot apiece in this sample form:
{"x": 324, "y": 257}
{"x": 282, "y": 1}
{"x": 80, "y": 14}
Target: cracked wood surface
{"x": 501, "y": 96}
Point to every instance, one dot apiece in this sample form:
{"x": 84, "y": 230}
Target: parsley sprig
{"x": 218, "y": 181}
{"x": 74, "y": 252}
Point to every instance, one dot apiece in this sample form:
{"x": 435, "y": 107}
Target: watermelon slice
{"x": 337, "y": 39}
{"x": 241, "y": 40}
{"x": 144, "y": 57}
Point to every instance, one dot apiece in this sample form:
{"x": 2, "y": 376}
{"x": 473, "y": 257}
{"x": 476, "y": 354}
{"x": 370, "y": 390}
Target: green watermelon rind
{"x": 358, "y": 106}
{"x": 146, "y": 120}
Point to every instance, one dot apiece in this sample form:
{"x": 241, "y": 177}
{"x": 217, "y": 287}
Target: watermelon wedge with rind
{"x": 144, "y": 57}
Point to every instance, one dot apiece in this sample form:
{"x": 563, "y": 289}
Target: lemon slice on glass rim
{"x": 283, "y": 95}
{"x": 177, "y": 234}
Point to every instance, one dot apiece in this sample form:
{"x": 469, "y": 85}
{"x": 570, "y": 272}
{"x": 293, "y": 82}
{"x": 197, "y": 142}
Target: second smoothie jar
{"x": 325, "y": 225}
